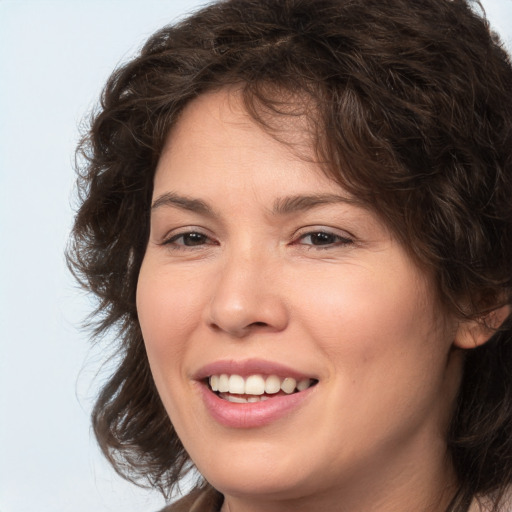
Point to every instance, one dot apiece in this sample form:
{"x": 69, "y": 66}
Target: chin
{"x": 258, "y": 481}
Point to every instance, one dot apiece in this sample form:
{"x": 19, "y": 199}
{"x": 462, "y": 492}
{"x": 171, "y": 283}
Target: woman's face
{"x": 262, "y": 272}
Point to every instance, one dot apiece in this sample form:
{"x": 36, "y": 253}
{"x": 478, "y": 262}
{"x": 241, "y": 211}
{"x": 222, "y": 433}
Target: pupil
{"x": 322, "y": 239}
{"x": 193, "y": 239}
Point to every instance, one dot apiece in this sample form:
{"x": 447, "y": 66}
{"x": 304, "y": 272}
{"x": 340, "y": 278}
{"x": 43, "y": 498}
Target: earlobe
{"x": 473, "y": 333}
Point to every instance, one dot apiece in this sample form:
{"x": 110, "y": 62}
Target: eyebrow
{"x": 185, "y": 203}
{"x": 281, "y": 206}
{"x": 299, "y": 203}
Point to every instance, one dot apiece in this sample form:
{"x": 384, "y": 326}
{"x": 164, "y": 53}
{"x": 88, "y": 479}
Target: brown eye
{"x": 323, "y": 238}
{"x": 191, "y": 239}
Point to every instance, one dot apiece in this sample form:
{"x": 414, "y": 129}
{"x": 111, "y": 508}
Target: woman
{"x": 297, "y": 215}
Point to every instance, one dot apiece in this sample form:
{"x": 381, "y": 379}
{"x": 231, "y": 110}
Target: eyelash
{"x": 332, "y": 239}
{"x": 335, "y": 240}
{"x": 172, "y": 241}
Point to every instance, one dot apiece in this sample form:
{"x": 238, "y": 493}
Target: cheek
{"x": 169, "y": 307}
{"x": 363, "y": 303}
{"x": 369, "y": 323}
{"x": 387, "y": 352}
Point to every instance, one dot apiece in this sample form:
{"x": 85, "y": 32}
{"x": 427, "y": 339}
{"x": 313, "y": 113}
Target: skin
{"x": 349, "y": 307}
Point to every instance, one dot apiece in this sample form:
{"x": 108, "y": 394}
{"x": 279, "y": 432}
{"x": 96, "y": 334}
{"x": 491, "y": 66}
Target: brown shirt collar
{"x": 199, "y": 500}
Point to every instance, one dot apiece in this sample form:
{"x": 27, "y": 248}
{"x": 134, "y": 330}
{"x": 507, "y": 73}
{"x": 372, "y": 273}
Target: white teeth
{"x": 254, "y": 385}
{"x": 224, "y": 383}
{"x": 236, "y": 384}
{"x": 236, "y": 399}
{"x": 272, "y": 384}
{"x": 303, "y": 384}
{"x": 214, "y": 382}
{"x": 288, "y": 385}
{"x": 241, "y": 400}
{"x": 257, "y": 385}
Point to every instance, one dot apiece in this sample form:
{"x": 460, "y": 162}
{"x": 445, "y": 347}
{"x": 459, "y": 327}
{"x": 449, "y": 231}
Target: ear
{"x": 473, "y": 333}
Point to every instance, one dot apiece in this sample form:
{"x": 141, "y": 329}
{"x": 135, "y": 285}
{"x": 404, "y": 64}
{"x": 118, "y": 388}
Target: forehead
{"x": 216, "y": 138}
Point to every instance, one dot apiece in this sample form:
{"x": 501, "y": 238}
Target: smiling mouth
{"x": 255, "y": 388}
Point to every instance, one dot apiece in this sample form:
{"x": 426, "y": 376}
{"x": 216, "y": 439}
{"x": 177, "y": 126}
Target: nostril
{"x": 258, "y": 324}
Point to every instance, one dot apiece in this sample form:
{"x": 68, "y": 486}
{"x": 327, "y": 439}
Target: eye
{"x": 188, "y": 239}
{"x": 323, "y": 239}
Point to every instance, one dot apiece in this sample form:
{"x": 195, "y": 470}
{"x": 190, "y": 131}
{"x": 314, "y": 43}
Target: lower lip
{"x": 255, "y": 414}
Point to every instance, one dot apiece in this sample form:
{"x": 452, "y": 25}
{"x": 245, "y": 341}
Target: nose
{"x": 247, "y": 297}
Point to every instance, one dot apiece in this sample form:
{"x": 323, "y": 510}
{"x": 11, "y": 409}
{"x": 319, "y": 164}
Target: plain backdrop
{"x": 55, "y": 56}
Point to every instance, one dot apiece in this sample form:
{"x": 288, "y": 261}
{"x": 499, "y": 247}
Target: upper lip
{"x": 248, "y": 367}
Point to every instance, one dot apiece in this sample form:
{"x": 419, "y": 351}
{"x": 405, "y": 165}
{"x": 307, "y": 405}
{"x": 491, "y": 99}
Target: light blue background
{"x": 55, "y": 56}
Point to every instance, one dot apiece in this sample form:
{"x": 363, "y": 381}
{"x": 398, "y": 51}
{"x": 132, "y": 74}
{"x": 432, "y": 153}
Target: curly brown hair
{"x": 410, "y": 106}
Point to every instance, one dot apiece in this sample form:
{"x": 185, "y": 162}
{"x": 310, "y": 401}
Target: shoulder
{"x": 198, "y": 500}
